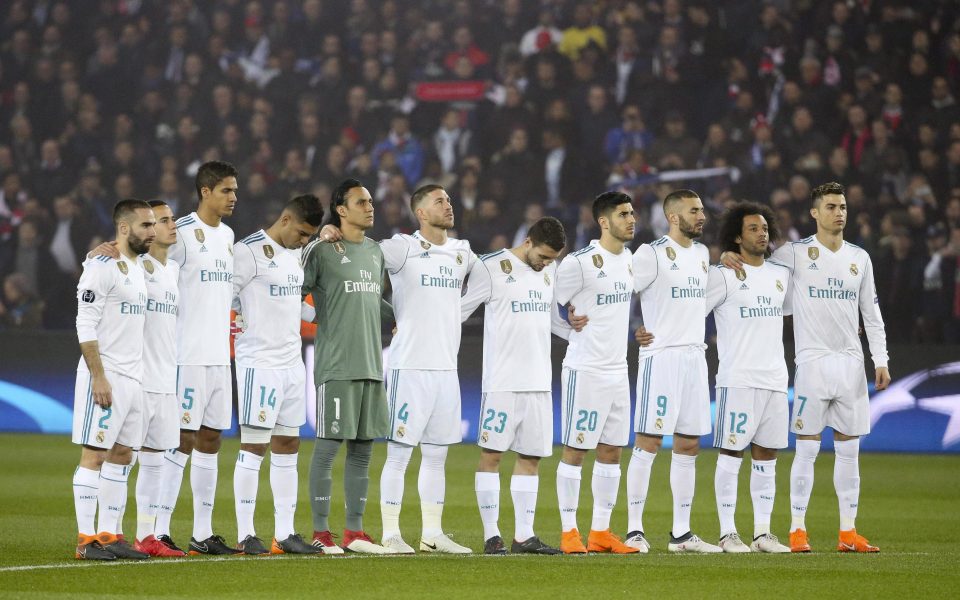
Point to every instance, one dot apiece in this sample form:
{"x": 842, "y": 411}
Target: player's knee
{"x": 574, "y": 456}
{"x": 609, "y": 454}
{"x": 489, "y": 461}
{"x": 649, "y": 443}
{"x": 761, "y": 453}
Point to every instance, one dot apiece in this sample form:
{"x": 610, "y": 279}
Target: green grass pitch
{"x": 910, "y": 507}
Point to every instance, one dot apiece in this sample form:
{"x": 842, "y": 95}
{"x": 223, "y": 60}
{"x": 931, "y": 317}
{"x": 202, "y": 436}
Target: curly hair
{"x": 731, "y": 224}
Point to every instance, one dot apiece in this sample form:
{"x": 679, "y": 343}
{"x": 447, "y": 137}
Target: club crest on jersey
{"x": 148, "y": 267}
{"x": 546, "y": 279}
{"x": 335, "y": 427}
{"x": 262, "y": 417}
{"x": 597, "y": 261}
{"x": 459, "y": 258}
{"x": 506, "y": 266}
{"x": 401, "y": 431}
{"x": 100, "y": 437}
{"x": 268, "y": 251}
{"x": 779, "y": 286}
{"x": 671, "y": 253}
{"x": 799, "y": 423}
{"x": 813, "y": 253}
{"x": 658, "y": 424}
{"x": 741, "y": 274}
{"x": 732, "y": 440}
{"x": 580, "y": 438}
{"x": 340, "y": 248}
{"x": 484, "y": 437}
{"x": 185, "y": 419}
{"x": 123, "y": 267}
{"x": 853, "y": 269}
{"x": 425, "y": 245}
{"x": 198, "y": 233}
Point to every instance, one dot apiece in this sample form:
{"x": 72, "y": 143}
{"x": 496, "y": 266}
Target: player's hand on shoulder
{"x": 105, "y": 249}
{"x": 883, "y": 378}
{"x": 330, "y": 233}
{"x": 731, "y": 260}
{"x": 102, "y": 391}
{"x": 643, "y": 337}
{"x": 578, "y": 322}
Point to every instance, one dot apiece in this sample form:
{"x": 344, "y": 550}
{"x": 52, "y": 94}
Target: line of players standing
{"x": 153, "y": 326}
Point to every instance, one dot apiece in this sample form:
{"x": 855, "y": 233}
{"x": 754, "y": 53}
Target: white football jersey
{"x": 597, "y": 284}
{"x": 111, "y": 301}
{"x": 160, "y": 333}
{"x": 830, "y": 292}
{"x": 205, "y": 256}
{"x": 517, "y": 321}
{"x": 749, "y": 308}
{"x": 266, "y": 280}
{"x": 672, "y": 281}
{"x": 427, "y": 282}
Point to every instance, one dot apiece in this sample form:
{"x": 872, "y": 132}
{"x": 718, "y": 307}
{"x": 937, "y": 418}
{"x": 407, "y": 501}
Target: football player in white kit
{"x": 204, "y": 251}
{"x": 160, "y": 413}
{"x": 108, "y": 399}
{"x": 749, "y": 305}
{"x": 427, "y": 270}
{"x": 516, "y": 412}
{"x": 595, "y": 388}
{"x": 267, "y": 278}
{"x": 672, "y": 396}
{"x": 833, "y": 287}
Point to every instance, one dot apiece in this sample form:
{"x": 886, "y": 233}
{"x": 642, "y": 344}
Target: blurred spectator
{"x": 507, "y": 103}
{"x": 405, "y": 148}
{"x": 20, "y": 307}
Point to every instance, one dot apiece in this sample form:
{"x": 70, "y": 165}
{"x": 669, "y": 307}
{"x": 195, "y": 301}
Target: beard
{"x": 139, "y": 245}
{"x": 689, "y": 229}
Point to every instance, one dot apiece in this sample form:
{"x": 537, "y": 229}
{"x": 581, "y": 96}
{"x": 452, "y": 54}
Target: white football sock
{"x": 148, "y": 492}
{"x": 846, "y": 480}
{"x": 86, "y": 487}
{"x": 638, "y": 482}
{"x": 246, "y": 480}
{"x": 523, "y": 489}
{"x": 391, "y": 486}
{"x": 112, "y": 495}
{"x": 801, "y": 481}
{"x": 432, "y": 485}
{"x": 568, "y": 494}
{"x": 683, "y": 481}
{"x": 725, "y": 488}
{"x": 283, "y": 484}
{"x": 487, "y": 486}
{"x": 172, "y": 478}
{"x": 763, "y": 489}
{"x": 123, "y": 509}
{"x": 605, "y": 483}
{"x": 203, "y": 482}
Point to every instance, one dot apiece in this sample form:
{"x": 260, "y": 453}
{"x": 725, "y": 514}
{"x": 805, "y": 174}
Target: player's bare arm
{"x": 100, "y": 387}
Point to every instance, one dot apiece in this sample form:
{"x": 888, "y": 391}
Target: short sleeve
{"x": 95, "y": 283}
{"x": 569, "y": 280}
{"x": 479, "y": 288}
{"x": 644, "y": 267}
{"x": 394, "y": 253}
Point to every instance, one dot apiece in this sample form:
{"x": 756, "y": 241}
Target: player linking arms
{"x": 595, "y": 389}
{"x": 833, "y": 287}
{"x": 267, "y": 282}
{"x": 346, "y": 281}
{"x": 108, "y": 400}
{"x": 516, "y": 411}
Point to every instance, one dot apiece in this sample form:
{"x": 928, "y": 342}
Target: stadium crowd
{"x": 519, "y": 108}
